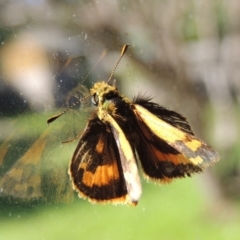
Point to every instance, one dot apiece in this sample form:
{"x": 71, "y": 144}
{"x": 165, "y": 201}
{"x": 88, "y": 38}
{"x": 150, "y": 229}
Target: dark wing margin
{"x": 95, "y": 169}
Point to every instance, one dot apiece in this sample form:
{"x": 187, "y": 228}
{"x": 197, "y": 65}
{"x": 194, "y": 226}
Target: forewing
{"x": 128, "y": 162}
{"x": 166, "y": 151}
{"x": 95, "y": 169}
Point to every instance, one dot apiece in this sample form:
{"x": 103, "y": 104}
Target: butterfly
{"x": 122, "y": 136}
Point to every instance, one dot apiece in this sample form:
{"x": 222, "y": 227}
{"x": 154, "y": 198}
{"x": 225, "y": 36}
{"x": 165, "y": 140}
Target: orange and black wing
{"x": 167, "y": 148}
{"x": 95, "y": 169}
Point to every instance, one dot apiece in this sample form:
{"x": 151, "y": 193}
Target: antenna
{"x": 51, "y": 119}
{"x": 124, "y": 49}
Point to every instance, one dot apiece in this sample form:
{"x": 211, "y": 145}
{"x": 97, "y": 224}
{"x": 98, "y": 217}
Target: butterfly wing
{"x": 167, "y": 148}
{"x": 128, "y": 161}
{"x": 95, "y": 169}
{"x": 33, "y": 162}
{"x": 173, "y": 118}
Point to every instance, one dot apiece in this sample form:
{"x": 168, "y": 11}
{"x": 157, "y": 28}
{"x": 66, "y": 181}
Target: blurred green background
{"x": 186, "y": 54}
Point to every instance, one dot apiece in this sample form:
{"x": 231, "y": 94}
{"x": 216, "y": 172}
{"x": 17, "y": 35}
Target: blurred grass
{"x": 176, "y": 211}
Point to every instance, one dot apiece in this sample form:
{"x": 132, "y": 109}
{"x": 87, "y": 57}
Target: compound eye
{"x": 95, "y": 99}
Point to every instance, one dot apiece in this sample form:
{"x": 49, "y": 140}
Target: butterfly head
{"x": 104, "y": 96}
